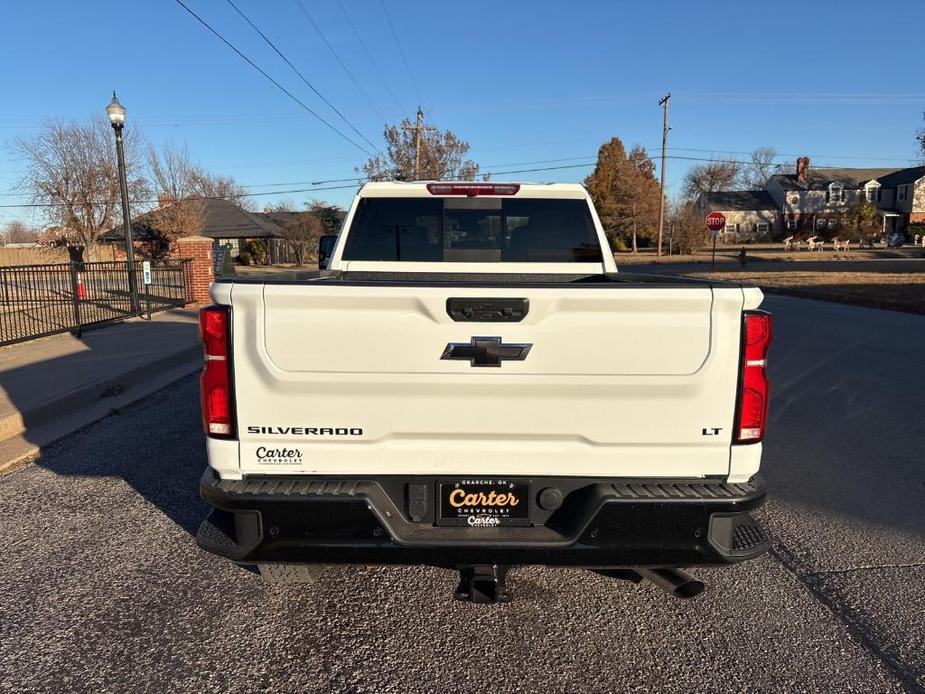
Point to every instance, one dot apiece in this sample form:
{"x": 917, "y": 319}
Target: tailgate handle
{"x": 487, "y": 310}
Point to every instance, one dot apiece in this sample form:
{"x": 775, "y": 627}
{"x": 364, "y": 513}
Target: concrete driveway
{"x": 104, "y": 590}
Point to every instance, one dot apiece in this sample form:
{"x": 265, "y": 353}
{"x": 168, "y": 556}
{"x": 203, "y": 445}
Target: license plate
{"x": 484, "y": 503}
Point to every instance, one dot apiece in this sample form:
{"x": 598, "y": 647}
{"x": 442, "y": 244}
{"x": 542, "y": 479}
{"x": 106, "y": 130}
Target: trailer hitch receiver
{"x": 483, "y": 584}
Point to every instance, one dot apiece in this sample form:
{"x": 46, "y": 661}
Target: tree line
{"x": 627, "y": 194}
{"x": 71, "y": 172}
{"x": 72, "y": 169}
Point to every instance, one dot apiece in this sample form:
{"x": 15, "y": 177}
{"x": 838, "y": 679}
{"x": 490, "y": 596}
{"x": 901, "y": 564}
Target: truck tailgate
{"x": 619, "y": 381}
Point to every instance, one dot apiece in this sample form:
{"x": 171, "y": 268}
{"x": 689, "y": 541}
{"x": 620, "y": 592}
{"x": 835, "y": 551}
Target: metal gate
{"x": 39, "y": 300}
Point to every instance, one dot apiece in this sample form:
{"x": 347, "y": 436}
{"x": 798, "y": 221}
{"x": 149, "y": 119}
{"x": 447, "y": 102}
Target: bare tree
{"x": 301, "y": 229}
{"x": 442, "y": 156}
{"x": 209, "y": 185}
{"x": 72, "y": 168}
{"x": 756, "y": 173}
{"x": 711, "y": 177}
{"x": 172, "y": 174}
{"x": 920, "y": 136}
{"x": 787, "y": 168}
{"x": 687, "y": 224}
{"x": 178, "y": 212}
{"x": 18, "y": 231}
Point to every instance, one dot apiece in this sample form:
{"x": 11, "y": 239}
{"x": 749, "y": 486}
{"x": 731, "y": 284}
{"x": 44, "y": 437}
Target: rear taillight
{"x": 473, "y": 189}
{"x": 215, "y": 383}
{"x": 754, "y": 393}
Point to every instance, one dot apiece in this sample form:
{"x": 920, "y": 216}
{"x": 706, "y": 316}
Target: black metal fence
{"x": 39, "y": 300}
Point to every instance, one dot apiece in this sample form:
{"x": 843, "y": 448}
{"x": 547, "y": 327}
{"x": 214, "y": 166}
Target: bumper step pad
{"x": 738, "y": 535}
{"x": 747, "y": 536}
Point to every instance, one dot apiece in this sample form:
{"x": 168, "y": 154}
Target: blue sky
{"x": 520, "y": 81}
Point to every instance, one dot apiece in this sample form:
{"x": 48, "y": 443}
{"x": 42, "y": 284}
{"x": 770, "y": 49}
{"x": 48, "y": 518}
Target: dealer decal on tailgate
{"x": 278, "y": 456}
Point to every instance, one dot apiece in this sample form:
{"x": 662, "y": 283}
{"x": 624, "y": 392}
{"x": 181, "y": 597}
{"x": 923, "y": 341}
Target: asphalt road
{"x": 103, "y": 589}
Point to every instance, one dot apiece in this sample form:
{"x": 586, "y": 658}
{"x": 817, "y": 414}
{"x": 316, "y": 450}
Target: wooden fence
{"x": 32, "y": 256}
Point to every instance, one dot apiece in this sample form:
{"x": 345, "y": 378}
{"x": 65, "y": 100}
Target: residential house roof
{"x": 739, "y": 200}
{"x": 282, "y": 217}
{"x": 898, "y": 178}
{"x": 221, "y": 219}
{"x": 820, "y": 179}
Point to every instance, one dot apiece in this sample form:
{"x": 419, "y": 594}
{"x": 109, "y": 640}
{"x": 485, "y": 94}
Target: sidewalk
{"x": 54, "y": 386}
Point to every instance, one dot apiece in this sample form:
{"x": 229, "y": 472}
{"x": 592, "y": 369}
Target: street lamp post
{"x": 116, "y": 113}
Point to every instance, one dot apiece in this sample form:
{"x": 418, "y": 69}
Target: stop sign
{"x": 716, "y": 221}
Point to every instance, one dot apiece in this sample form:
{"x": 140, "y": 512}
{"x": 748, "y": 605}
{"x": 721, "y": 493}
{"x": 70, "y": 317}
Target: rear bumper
{"x": 384, "y": 520}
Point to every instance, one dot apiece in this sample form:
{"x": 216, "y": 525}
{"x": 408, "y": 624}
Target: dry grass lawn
{"x": 899, "y": 291}
{"x": 729, "y": 254}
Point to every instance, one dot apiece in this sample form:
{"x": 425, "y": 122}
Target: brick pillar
{"x": 199, "y": 276}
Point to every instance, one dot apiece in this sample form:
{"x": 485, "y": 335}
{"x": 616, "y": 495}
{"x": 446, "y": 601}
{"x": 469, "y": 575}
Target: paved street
{"x": 103, "y": 589}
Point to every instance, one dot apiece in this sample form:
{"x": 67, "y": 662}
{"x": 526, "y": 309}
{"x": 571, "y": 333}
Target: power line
{"x": 305, "y": 183}
{"x": 342, "y": 64}
{"x": 805, "y": 154}
{"x": 265, "y": 74}
{"x": 796, "y": 97}
{"x": 542, "y": 168}
{"x": 302, "y": 77}
{"x": 538, "y": 161}
{"x": 592, "y": 161}
{"x": 361, "y": 179}
{"x": 402, "y": 53}
{"x": 385, "y": 83}
{"x": 195, "y": 197}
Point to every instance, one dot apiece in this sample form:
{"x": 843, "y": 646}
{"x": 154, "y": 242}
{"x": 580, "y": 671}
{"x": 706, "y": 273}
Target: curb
{"x": 64, "y": 404}
{"x": 92, "y": 403}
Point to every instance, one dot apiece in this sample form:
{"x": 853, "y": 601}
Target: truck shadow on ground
{"x": 46, "y": 386}
{"x": 155, "y": 445}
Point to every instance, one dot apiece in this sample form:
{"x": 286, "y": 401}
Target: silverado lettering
{"x": 306, "y": 431}
{"x": 590, "y": 451}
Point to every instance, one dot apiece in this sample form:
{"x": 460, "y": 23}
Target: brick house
{"x": 816, "y": 201}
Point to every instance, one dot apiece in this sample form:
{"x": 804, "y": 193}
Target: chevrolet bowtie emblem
{"x": 486, "y": 351}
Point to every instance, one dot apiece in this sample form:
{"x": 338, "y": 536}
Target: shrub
{"x": 618, "y": 243}
{"x": 245, "y": 257}
{"x": 257, "y": 248}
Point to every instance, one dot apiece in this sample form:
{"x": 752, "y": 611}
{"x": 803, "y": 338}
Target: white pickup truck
{"x": 471, "y": 384}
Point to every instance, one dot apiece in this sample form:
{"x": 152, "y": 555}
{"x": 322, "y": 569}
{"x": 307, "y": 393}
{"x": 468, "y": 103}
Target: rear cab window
{"x": 479, "y": 230}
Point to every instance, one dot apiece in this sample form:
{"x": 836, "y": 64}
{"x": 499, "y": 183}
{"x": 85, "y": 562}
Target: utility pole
{"x": 418, "y": 128}
{"x": 663, "y": 102}
{"x": 418, "y": 124}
